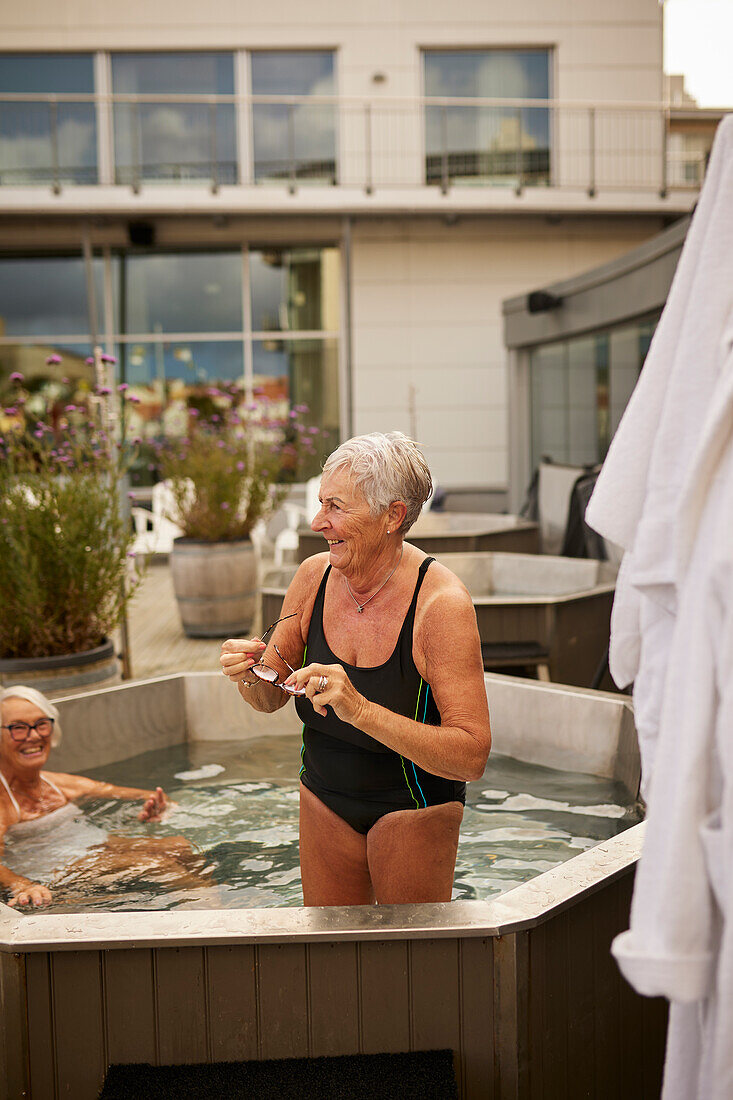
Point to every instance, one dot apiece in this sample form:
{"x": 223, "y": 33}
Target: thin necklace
{"x": 360, "y": 606}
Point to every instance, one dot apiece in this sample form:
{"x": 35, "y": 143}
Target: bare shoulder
{"x": 71, "y": 785}
{"x": 301, "y": 594}
{"x": 442, "y": 591}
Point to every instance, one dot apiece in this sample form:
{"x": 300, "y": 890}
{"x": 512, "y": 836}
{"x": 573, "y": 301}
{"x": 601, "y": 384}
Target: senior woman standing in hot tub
{"x": 391, "y": 688}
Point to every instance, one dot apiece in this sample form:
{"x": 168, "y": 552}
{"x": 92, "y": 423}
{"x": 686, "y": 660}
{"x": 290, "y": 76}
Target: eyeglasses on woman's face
{"x": 20, "y": 731}
{"x": 271, "y": 675}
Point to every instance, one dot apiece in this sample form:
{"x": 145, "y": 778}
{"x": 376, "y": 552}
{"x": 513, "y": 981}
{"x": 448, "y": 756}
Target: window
{"x": 579, "y": 389}
{"x": 487, "y": 144}
{"x": 293, "y": 140}
{"x": 179, "y": 331}
{"x": 166, "y": 140}
{"x": 47, "y": 139}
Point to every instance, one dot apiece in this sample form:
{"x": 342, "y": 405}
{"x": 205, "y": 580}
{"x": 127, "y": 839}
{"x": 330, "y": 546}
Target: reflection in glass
{"x": 174, "y": 141}
{"x": 302, "y": 373}
{"x": 49, "y": 388}
{"x": 293, "y": 141}
{"x": 165, "y": 380}
{"x": 180, "y": 292}
{"x": 579, "y": 389}
{"x": 46, "y": 296}
{"x": 295, "y": 289}
{"x": 487, "y": 144}
{"x": 47, "y": 142}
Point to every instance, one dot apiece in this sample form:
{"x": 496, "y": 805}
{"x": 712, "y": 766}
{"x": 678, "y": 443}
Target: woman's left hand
{"x": 329, "y": 686}
{"x": 155, "y": 806}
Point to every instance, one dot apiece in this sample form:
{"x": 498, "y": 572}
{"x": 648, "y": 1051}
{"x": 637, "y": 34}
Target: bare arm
{"x": 238, "y": 655}
{"x": 449, "y": 651}
{"x": 22, "y": 890}
{"x": 79, "y": 786}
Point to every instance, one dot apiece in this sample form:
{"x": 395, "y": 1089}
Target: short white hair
{"x": 31, "y": 695}
{"x": 385, "y": 467}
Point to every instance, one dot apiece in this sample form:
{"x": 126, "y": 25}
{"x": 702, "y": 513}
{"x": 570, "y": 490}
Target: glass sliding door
{"x": 487, "y": 144}
{"x": 172, "y": 141}
{"x": 293, "y": 139}
{"x": 48, "y": 140}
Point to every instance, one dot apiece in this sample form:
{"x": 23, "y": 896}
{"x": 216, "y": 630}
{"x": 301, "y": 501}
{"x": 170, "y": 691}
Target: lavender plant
{"x": 65, "y": 573}
{"x": 234, "y": 466}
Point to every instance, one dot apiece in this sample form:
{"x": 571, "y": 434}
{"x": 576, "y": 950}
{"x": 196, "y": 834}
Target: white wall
{"x": 427, "y": 315}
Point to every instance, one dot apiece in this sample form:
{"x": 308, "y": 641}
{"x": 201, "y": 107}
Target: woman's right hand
{"x": 30, "y": 893}
{"x": 238, "y": 655}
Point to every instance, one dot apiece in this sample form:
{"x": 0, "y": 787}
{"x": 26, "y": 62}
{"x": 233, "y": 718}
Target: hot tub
{"x": 441, "y": 532}
{"x": 522, "y": 988}
{"x": 531, "y": 609}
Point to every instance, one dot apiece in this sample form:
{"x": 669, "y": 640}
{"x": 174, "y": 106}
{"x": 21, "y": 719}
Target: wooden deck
{"x": 157, "y": 643}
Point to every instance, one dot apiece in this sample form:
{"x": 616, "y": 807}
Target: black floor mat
{"x": 421, "y": 1075}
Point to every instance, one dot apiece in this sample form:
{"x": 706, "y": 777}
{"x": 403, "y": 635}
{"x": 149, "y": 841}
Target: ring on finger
{"x": 322, "y": 683}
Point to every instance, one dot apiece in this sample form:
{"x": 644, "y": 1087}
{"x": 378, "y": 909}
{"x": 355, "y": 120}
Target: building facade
{"x": 322, "y": 206}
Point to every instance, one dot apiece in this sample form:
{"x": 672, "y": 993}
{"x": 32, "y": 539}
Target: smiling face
{"x": 22, "y": 758}
{"x": 355, "y": 537}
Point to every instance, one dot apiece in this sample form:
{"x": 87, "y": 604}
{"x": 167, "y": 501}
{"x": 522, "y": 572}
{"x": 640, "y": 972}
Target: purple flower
{"x": 220, "y": 444}
{"x": 108, "y": 359}
{"x": 224, "y": 505}
{"x": 65, "y": 382}
{"x": 131, "y": 553}
{"x": 38, "y": 435}
{"x": 103, "y": 391}
{"x": 214, "y": 392}
{"x": 16, "y": 376}
{"x": 123, "y": 387}
{"x": 12, "y": 411}
{"x": 136, "y": 441}
{"x": 313, "y": 431}
{"x": 70, "y": 408}
{"x": 89, "y": 361}
{"x": 133, "y": 399}
{"x": 240, "y": 465}
{"x": 216, "y": 417}
{"x": 300, "y": 408}
{"x": 52, "y": 360}
{"x": 194, "y": 413}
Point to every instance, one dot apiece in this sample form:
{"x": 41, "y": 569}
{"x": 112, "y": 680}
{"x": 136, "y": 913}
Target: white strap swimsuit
{"x": 13, "y": 799}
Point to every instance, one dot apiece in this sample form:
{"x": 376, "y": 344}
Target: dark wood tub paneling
{"x": 532, "y": 1015}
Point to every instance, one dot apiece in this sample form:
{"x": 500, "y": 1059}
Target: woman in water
{"x": 391, "y": 688}
{"x": 31, "y": 798}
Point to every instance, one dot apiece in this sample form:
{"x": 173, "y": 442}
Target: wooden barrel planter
{"x": 215, "y": 585}
{"x": 69, "y": 672}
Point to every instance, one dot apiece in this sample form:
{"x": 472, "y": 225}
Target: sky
{"x": 698, "y": 41}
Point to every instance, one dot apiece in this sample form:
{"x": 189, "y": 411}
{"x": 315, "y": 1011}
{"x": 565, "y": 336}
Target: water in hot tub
{"x": 237, "y": 806}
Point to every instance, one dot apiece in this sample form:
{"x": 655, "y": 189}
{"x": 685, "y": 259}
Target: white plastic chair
{"x": 154, "y": 530}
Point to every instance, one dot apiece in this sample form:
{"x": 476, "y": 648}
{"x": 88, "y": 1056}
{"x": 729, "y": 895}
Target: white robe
{"x": 666, "y": 495}
{"x": 637, "y": 494}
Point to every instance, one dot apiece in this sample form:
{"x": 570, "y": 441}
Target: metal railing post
{"x": 591, "y": 152}
{"x": 54, "y": 121}
{"x": 136, "y": 147}
{"x": 665, "y": 153}
{"x": 212, "y": 148}
{"x": 518, "y": 189}
{"x": 444, "y": 178}
{"x": 291, "y": 147}
{"x": 369, "y": 184}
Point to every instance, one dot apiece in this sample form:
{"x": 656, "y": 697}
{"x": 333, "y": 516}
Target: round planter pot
{"x": 215, "y": 585}
{"x": 67, "y": 673}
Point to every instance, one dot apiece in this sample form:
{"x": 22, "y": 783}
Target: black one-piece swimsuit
{"x": 355, "y": 776}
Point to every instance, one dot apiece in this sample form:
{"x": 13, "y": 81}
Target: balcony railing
{"x": 127, "y": 140}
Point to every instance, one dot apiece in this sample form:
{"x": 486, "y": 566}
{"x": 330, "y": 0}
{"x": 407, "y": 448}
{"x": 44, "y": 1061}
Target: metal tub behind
{"x": 441, "y": 532}
{"x": 530, "y": 609}
{"x": 522, "y": 988}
